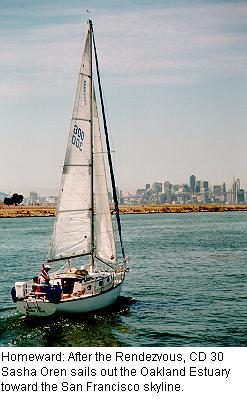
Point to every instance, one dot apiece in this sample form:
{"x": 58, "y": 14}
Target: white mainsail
{"x": 72, "y": 234}
{"x": 105, "y": 242}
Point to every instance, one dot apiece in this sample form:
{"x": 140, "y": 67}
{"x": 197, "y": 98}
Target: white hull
{"x": 38, "y": 308}
{"x": 90, "y": 304}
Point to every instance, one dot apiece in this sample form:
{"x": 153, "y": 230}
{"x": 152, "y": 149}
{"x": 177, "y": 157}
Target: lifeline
{"x": 207, "y": 372}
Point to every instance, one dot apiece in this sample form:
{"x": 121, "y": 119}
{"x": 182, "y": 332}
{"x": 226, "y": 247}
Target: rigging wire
{"x": 109, "y": 128}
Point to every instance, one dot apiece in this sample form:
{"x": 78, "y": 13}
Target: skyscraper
{"x": 157, "y": 187}
{"x": 234, "y": 191}
{"x": 34, "y": 197}
{"x": 192, "y": 183}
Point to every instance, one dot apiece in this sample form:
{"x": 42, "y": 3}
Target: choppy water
{"x": 187, "y": 286}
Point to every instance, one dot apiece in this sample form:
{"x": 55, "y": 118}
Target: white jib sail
{"x": 105, "y": 242}
{"x": 72, "y": 228}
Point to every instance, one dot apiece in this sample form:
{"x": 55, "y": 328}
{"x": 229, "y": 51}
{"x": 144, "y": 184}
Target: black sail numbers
{"x": 78, "y": 137}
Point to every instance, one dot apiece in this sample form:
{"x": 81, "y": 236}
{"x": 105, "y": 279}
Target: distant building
{"x": 198, "y": 186}
{"x": 34, "y": 197}
{"x": 237, "y": 194}
{"x": 217, "y": 193}
{"x": 217, "y": 190}
{"x": 192, "y": 183}
{"x": 185, "y": 188}
{"x": 167, "y": 187}
{"x": 175, "y": 189}
{"x": 119, "y": 196}
{"x": 240, "y": 196}
{"x": 205, "y": 190}
{"x": 234, "y": 191}
{"x": 140, "y": 191}
{"x": 2, "y": 196}
{"x": 224, "y": 193}
{"x": 230, "y": 196}
{"x": 52, "y": 199}
{"x": 167, "y": 191}
{"x": 157, "y": 187}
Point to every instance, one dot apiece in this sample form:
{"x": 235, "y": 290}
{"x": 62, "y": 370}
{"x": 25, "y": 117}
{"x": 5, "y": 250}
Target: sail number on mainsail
{"x": 78, "y": 141}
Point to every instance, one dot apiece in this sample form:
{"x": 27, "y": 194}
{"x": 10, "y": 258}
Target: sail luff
{"x": 91, "y": 137}
{"x": 72, "y": 235}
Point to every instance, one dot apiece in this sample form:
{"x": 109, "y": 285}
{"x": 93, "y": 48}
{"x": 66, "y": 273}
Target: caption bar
{"x": 152, "y": 372}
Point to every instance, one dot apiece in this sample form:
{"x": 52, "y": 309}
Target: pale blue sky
{"x": 175, "y": 82}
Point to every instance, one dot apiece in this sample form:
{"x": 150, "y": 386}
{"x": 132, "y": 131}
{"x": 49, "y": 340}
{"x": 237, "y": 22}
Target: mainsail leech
{"x": 114, "y": 191}
{"x": 105, "y": 242}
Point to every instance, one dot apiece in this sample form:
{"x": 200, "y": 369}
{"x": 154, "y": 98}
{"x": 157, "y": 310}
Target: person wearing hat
{"x": 44, "y": 278}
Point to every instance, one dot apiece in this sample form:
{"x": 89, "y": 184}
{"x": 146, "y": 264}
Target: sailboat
{"x": 83, "y": 238}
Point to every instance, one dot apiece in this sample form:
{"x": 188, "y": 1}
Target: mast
{"x": 73, "y": 230}
{"x": 91, "y": 140}
{"x": 75, "y": 233}
{"x": 114, "y": 191}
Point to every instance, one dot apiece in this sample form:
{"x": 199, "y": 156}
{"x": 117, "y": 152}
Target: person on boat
{"x": 36, "y": 285}
{"x": 44, "y": 278}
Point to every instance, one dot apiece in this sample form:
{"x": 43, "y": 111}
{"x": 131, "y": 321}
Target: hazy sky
{"x": 175, "y": 83}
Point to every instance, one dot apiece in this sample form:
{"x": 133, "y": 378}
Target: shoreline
{"x": 42, "y": 211}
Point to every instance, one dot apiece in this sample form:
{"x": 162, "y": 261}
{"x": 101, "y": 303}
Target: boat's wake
{"x": 99, "y": 328}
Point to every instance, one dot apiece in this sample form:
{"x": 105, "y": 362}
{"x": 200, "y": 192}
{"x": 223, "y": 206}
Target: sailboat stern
{"x": 34, "y": 307}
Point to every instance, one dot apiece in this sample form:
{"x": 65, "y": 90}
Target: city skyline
{"x": 174, "y": 76}
{"x": 206, "y": 184}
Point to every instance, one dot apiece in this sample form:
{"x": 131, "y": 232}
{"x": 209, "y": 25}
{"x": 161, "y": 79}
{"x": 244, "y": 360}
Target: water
{"x": 187, "y": 285}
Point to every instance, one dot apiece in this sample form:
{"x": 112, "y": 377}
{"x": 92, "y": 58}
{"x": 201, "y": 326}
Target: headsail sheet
{"x": 72, "y": 228}
{"x": 105, "y": 242}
